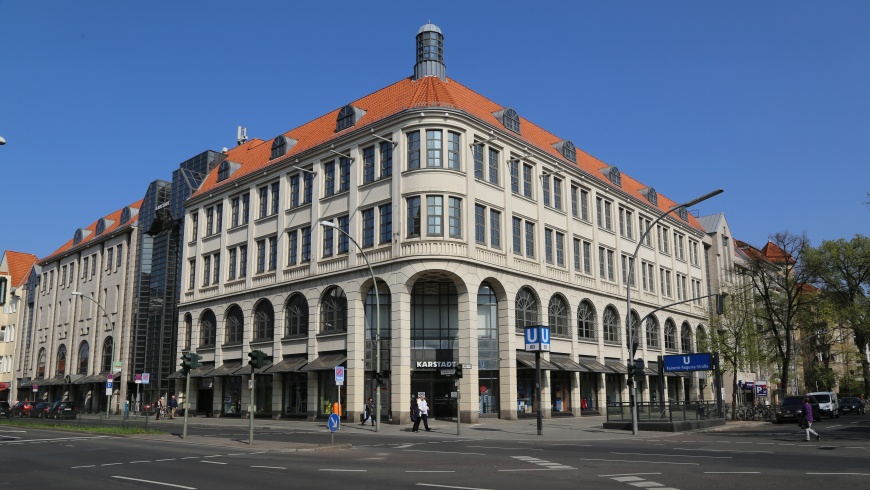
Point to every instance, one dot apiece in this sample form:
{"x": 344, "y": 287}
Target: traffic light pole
{"x": 186, "y": 405}
{"x": 251, "y": 409}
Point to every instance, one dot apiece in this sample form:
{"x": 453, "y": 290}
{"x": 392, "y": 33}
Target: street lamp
{"x": 631, "y": 347}
{"x": 114, "y": 341}
{"x": 330, "y": 224}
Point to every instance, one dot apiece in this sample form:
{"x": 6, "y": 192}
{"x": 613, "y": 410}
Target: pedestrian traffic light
{"x": 379, "y": 377}
{"x": 632, "y": 371}
{"x": 458, "y": 373}
{"x": 258, "y": 359}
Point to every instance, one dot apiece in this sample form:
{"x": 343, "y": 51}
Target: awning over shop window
{"x": 245, "y": 370}
{"x": 201, "y": 371}
{"x": 176, "y": 375}
{"x": 287, "y": 365}
{"x": 593, "y": 366}
{"x": 615, "y": 366}
{"x": 4, "y": 386}
{"x": 566, "y": 364}
{"x": 325, "y": 363}
{"x": 227, "y": 369}
{"x": 651, "y": 368}
{"x": 527, "y": 361}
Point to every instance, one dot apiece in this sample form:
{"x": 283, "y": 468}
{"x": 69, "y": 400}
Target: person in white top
{"x": 424, "y": 411}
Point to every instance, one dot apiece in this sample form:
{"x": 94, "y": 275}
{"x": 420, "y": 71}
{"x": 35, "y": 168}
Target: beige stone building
{"x": 14, "y": 268}
{"x": 476, "y": 223}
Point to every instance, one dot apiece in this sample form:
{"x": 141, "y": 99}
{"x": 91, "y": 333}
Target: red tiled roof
{"x": 426, "y": 93}
{"x": 115, "y": 217}
{"x": 775, "y": 254}
{"x": 19, "y": 264}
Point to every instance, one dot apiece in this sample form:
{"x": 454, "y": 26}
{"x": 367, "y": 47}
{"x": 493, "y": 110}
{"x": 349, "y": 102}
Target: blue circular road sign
{"x": 334, "y": 422}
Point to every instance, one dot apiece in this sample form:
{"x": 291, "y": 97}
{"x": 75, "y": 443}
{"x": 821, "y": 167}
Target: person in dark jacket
{"x": 415, "y": 415}
{"x": 808, "y": 417}
{"x": 369, "y": 413}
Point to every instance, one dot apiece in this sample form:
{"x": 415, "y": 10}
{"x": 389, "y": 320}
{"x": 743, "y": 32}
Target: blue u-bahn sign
{"x": 538, "y": 338}
{"x": 688, "y": 362}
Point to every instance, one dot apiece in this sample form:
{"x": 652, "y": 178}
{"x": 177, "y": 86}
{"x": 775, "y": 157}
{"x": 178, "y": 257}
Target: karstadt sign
{"x": 436, "y": 364}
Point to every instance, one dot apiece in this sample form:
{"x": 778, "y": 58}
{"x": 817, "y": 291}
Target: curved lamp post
{"x": 631, "y": 347}
{"x": 330, "y": 224}
{"x": 114, "y": 341}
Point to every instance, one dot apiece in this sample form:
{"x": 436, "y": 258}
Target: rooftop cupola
{"x": 430, "y": 53}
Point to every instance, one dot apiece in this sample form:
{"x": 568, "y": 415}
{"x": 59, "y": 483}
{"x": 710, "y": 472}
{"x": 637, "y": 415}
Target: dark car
{"x": 40, "y": 410}
{"x": 792, "y": 408}
{"x": 63, "y": 410}
{"x": 5, "y": 410}
{"x": 851, "y": 404}
{"x": 22, "y": 408}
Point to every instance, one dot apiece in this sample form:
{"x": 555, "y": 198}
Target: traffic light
{"x": 379, "y": 377}
{"x": 258, "y": 359}
{"x": 458, "y": 372}
{"x": 632, "y": 371}
{"x": 185, "y": 362}
{"x": 720, "y": 303}
{"x": 194, "y": 360}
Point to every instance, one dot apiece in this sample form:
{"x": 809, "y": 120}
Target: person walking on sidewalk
{"x": 808, "y": 419}
{"x": 415, "y": 415}
{"x": 424, "y": 412}
{"x": 173, "y": 406}
{"x": 369, "y": 412}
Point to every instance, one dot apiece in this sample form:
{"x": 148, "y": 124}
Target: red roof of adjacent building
{"x": 114, "y": 217}
{"x": 19, "y": 264}
{"x": 426, "y": 94}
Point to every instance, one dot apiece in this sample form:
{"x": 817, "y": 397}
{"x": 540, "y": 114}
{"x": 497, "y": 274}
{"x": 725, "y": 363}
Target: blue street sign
{"x": 689, "y": 362}
{"x": 334, "y": 422}
{"x": 538, "y": 338}
{"x": 108, "y": 385}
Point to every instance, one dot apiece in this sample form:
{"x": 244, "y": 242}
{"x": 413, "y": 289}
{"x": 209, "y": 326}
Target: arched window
{"x": 207, "y": 332}
{"x": 652, "y": 332}
{"x": 638, "y": 337}
{"x": 40, "y": 364}
{"x": 84, "y": 357}
{"x": 347, "y": 117}
{"x": 586, "y": 328}
{"x": 60, "y": 366}
{"x": 569, "y": 151}
{"x": 686, "y": 344}
{"x": 670, "y": 335}
{"x": 188, "y": 331}
{"x": 234, "y": 325}
{"x": 333, "y": 311}
{"x": 108, "y": 350}
{"x": 511, "y": 120}
{"x": 526, "y": 307}
{"x": 615, "y": 176}
{"x": 296, "y": 316}
{"x": 558, "y": 316}
{"x": 611, "y": 324}
{"x": 264, "y": 320}
{"x": 384, "y": 298}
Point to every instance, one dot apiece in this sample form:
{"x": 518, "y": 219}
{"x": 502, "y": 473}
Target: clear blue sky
{"x": 769, "y": 100}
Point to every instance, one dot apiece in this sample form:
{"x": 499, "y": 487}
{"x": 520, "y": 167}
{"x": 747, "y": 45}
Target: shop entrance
{"x": 440, "y": 393}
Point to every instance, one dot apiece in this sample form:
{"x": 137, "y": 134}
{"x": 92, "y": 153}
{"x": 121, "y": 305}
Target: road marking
{"x": 510, "y": 448}
{"x": 86, "y": 466}
{"x": 39, "y": 441}
{"x": 154, "y": 482}
{"x": 858, "y": 474}
{"x": 539, "y": 469}
{"x": 628, "y": 478}
{"x": 110, "y": 464}
{"x": 721, "y": 450}
{"x": 212, "y": 462}
{"x": 448, "y": 486}
{"x": 834, "y": 426}
{"x": 675, "y": 455}
{"x": 732, "y": 472}
{"x": 634, "y": 461}
{"x": 190, "y": 457}
{"x": 854, "y": 447}
{"x": 270, "y": 467}
{"x": 627, "y": 474}
{"x": 443, "y": 452}
{"x": 167, "y": 459}
{"x": 429, "y": 471}
{"x": 135, "y": 462}
{"x": 338, "y": 469}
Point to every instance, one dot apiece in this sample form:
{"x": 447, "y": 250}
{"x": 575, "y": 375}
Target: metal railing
{"x": 663, "y": 412}
{"x": 95, "y": 419}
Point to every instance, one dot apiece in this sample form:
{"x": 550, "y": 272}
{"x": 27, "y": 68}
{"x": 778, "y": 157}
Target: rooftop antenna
{"x": 242, "y": 135}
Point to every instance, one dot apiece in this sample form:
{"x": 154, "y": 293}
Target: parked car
{"x": 5, "y": 410}
{"x": 851, "y": 404}
{"x": 63, "y": 410}
{"x": 792, "y": 407}
{"x": 22, "y": 408}
{"x": 40, "y": 410}
{"x": 828, "y": 403}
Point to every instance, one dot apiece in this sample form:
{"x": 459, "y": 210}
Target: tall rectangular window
{"x": 453, "y": 151}
{"x": 368, "y": 164}
{"x": 194, "y": 226}
{"x": 626, "y": 229}
{"x": 246, "y": 207}
{"x": 434, "y": 215}
{"x": 665, "y": 279}
{"x": 306, "y": 244}
{"x": 545, "y": 189}
{"x": 119, "y": 250}
{"x": 548, "y": 245}
{"x": 236, "y": 207}
{"x": 557, "y": 193}
{"x": 479, "y": 223}
{"x": 680, "y": 246}
{"x": 368, "y": 227}
{"x": 587, "y": 257}
{"x": 578, "y": 258}
{"x": 517, "y": 235}
{"x": 264, "y": 201}
{"x": 243, "y": 260}
{"x": 560, "y": 249}
{"x": 647, "y": 276}
{"x": 477, "y": 152}
{"x": 530, "y": 240}
{"x": 219, "y": 218}
{"x": 294, "y": 191}
{"x": 584, "y": 204}
{"x": 110, "y": 258}
{"x": 527, "y": 181}
{"x": 628, "y": 265}
{"x": 261, "y": 256}
{"x": 343, "y": 174}
{"x": 454, "y": 216}
{"x": 343, "y": 226}
{"x": 209, "y": 221}
{"x": 275, "y": 195}
{"x": 642, "y": 227}
{"x": 231, "y": 264}
{"x": 273, "y": 253}
{"x": 414, "y": 221}
{"x": 191, "y": 278}
{"x": 386, "y": 213}
{"x": 216, "y": 259}
{"x": 575, "y": 201}
{"x": 515, "y": 176}
{"x": 605, "y": 263}
{"x": 206, "y": 270}
{"x": 308, "y": 178}
{"x": 663, "y": 239}
{"x": 604, "y": 210}
{"x": 494, "y": 228}
{"x": 493, "y": 166}
{"x": 681, "y": 287}
{"x": 413, "y": 150}
{"x": 433, "y": 148}
{"x": 386, "y": 159}
{"x": 293, "y": 247}
{"x": 328, "y": 239}
{"x": 329, "y": 178}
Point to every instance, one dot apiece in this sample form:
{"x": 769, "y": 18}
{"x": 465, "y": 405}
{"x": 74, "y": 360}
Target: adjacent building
{"x": 14, "y": 268}
{"x": 453, "y": 223}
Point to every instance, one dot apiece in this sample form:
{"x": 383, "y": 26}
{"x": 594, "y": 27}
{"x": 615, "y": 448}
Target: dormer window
{"x": 650, "y": 194}
{"x": 683, "y": 214}
{"x": 80, "y": 235}
{"x": 613, "y": 175}
{"x": 567, "y": 149}
{"x": 281, "y": 145}
{"x": 509, "y": 119}
{"x": 102, "y": 224}
{"x": 224, "y": 170}
{"x": 128, "y": 213}
{"x": 348, "y": 116}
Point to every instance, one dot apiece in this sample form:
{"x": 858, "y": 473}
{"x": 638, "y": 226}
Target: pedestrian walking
{"x": 159, "y": 408}
{"x": 808, "y": 419}
{"x": 424, "y": 411}
{"x": 415, "y": 415}
{"x": 173, "y": 406}
{"x": 369, "y": 412}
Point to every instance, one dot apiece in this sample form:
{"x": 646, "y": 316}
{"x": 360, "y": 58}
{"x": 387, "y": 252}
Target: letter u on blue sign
{"x": 545, "y": 335}
{"x": 532, "y": 335}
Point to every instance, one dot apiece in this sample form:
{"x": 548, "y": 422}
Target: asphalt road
{"x": 749, "y": 456}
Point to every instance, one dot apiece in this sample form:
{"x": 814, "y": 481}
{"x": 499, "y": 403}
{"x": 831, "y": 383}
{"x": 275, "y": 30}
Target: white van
{"x": 828, "y": 403}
